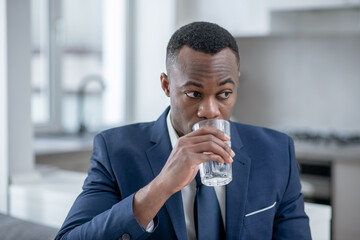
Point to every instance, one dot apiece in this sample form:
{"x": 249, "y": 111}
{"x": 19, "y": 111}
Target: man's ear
{"x": 165, "y": 84}
{"x": 237, "y": 80}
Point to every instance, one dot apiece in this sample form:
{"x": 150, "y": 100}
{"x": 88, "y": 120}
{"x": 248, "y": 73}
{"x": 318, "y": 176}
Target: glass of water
{"x": 214, "y": 173}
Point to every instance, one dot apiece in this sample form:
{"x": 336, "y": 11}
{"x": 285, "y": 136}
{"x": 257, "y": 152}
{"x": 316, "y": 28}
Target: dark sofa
{"x": 13, "y": 229}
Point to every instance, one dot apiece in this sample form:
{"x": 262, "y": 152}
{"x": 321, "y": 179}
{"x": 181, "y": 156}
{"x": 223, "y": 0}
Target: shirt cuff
{"x": 150, "y": 226}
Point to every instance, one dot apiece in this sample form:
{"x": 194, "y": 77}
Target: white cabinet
{"x": 47, "y": 201}
{"x": 251, "y": 17}
{"x": 255, "y": 17}
{"x": 311, "y": 4}
{"x": 240, "y": 17}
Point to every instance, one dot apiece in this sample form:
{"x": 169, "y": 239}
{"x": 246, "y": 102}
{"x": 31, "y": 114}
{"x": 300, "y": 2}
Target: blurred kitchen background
{"x": 69, "y": 69}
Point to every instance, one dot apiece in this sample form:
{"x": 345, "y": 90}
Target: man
{"x": 141, "y": 184}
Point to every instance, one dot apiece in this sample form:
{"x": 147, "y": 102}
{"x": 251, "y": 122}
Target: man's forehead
{"x": 199, "y": 65}
{"x": 202, "y": 84}
{"x": 187, "y": 53}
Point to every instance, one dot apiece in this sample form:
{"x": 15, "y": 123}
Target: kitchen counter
{"x": 70, "y": 152}
{"x": 316, "y": 151}
{"x": 62, "y": 144}
{"x": 327, "y": 152}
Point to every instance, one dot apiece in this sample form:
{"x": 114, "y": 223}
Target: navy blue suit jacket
{"x": 263, "y": 201}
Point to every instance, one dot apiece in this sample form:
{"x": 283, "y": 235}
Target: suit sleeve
{"x": 99, "y": 212}
{"x": 291, "y": 222}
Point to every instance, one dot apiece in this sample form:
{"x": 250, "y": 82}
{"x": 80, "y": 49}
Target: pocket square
{"x": 261, "y": 210}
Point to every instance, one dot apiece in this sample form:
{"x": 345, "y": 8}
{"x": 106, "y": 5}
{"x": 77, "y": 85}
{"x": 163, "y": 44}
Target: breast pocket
{"x": 258, "y": 224}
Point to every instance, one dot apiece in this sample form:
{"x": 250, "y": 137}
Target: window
{"x": 40, "y": 62}
{"x": 78, "y": 65}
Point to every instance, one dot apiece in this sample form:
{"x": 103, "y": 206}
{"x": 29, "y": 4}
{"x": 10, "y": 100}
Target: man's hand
{"x": 183, "y": 162}
{"x": 180, "y": 169}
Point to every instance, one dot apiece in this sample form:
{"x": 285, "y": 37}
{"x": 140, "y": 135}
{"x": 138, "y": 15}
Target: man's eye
{"x": 225, "y": 95}
{"x": 193, "y": 94}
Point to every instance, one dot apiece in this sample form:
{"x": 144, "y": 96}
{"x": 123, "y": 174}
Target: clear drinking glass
{"x": 213, "y": 173}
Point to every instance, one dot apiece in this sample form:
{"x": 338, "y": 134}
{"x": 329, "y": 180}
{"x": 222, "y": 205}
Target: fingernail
{"x": 227, "y": 137}
{"x": 232, "y": 153}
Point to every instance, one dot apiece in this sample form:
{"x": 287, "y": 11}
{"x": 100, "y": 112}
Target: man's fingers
{"x": 210, "y": 130}
{"x": 212, "y": 138}
{"x": 207, "y": 140}
{"x": 214, "y": 149}
{"x": 207, "y": 157}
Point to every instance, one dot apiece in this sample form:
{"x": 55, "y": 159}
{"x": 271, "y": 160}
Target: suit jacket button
{"x": 125, "y": 236}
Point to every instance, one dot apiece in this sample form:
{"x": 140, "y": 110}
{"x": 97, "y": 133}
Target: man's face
{"x": 201, "y": 86}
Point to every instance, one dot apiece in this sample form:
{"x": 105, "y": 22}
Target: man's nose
{"x": 208, "y": 109}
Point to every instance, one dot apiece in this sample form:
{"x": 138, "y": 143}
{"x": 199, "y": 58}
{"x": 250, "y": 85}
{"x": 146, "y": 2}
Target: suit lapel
{"x": 157, "y": 156}
{"x": 236, "y": 190}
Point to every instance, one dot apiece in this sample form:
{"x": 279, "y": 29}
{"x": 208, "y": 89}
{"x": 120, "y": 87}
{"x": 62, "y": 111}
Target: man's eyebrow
{"x": 226, "y": 81}
{"x": 192, "y": 83}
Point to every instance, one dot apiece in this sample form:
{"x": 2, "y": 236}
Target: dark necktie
{"x": 208, "y": 221}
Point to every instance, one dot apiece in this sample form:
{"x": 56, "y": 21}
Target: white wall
{"x": 4, "y": 167}
{"x": 239, "y": 17}
{"x": 16, "y": 159}
{"x": 305, "y": 78}
{"x": 154, "y": 25}
{"x": 19, "y": 89}
{"x": 335, "y": 21}
{"x": 302, "y": 82}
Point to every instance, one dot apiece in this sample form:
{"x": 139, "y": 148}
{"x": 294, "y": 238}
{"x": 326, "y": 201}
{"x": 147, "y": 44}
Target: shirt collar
{"x": 172, "y": 133}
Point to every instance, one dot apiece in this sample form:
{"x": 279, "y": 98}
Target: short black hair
{"x": 203, "y": 37}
